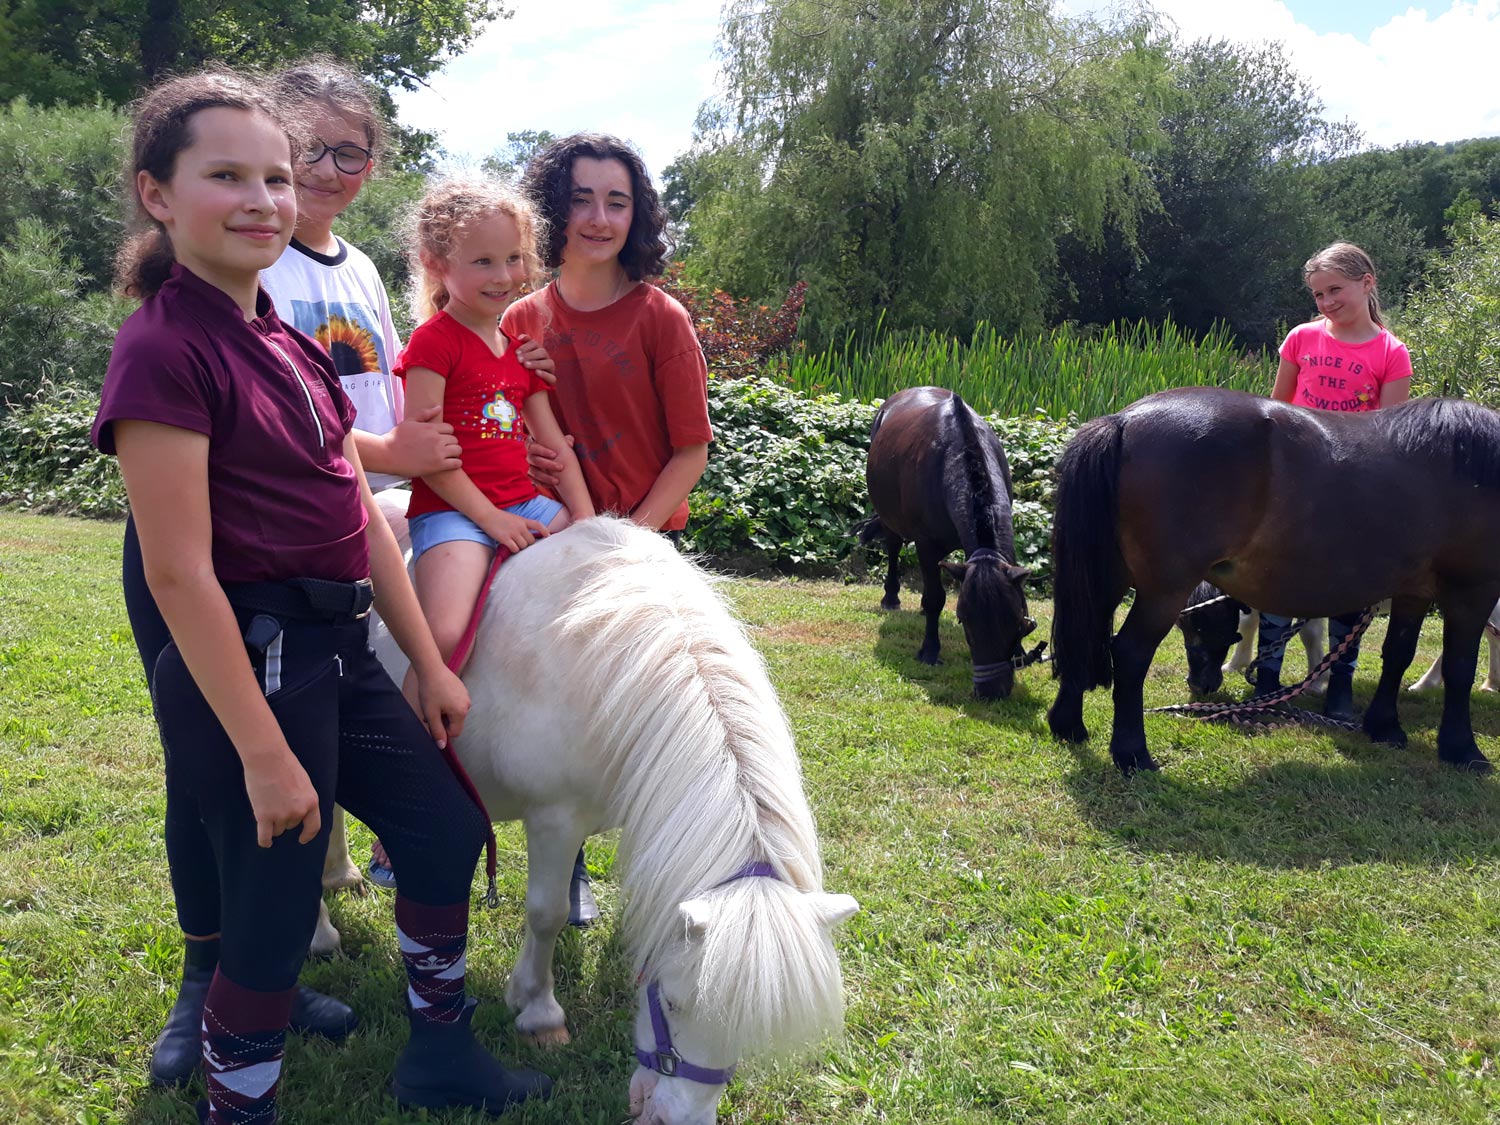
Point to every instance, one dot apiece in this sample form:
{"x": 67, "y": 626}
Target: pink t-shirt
{"x": 1333, "y": 375}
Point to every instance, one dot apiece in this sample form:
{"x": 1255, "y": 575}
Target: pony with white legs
{"x": 1432, "y": 679}
{"x": 612, "y": 688}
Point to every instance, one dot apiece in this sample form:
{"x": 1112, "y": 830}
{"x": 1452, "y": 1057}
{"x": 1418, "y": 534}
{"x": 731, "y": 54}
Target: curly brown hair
{"x": 437, "y": 222}
{"x": 162, "y": 130}
{"x": 548, "y": 179}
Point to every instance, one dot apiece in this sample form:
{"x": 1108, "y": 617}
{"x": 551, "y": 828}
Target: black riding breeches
{"x": 361, "y": 746}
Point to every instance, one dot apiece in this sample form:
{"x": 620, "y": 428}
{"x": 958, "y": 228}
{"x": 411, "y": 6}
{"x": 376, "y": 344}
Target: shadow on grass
{"x": 1375, "y": 804}
{"x": 950, "y": 683}
{"x": 326, "y": 1083}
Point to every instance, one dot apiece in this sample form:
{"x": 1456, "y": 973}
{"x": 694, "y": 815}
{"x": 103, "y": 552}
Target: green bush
{"x": 46, "y": 461}
{"x": 786, "y": 479}
{"x": 62, "y": 168}
{"x": 1452, "y": 325}
{"x": 375, "y": 222}
{"x": 50, "y": 333}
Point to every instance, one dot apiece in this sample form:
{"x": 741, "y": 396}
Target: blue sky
{"x": 640, "y": 68}
{"x": 1353, "y": 17}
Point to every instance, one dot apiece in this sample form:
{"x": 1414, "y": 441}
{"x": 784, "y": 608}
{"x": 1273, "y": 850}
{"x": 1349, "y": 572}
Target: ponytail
{"x": 144, "y": 263}
{"x": 162, "y": 131}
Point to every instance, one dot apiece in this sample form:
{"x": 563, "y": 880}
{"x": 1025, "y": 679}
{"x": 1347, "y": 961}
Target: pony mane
{"x": 984, "y": 500}
{"x": 705, "y": 779}
{"x": 1201, "y": 593}
{"x": 1428, "y": 426}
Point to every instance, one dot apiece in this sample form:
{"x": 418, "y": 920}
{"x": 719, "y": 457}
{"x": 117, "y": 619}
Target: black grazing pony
{"x": 1296, "y": 511}
{"x": 1210, "y": 628}
{"x": 938, "y": 477}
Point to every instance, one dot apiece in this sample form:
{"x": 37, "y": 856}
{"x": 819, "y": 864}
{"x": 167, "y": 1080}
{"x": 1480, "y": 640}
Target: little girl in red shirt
{"x": 474, "y": 253}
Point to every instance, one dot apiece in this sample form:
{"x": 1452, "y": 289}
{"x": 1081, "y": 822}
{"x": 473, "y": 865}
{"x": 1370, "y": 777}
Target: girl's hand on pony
{"x": 534, "y": 357}
{"x": 514, "y": 533}
{"x": 442, "y": 703}
{"x": 282, "y": 797}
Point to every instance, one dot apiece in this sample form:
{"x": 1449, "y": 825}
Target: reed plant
{"x": 1065, "y": 371}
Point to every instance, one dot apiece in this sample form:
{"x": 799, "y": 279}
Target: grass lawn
{"x": 1285, "y": 927}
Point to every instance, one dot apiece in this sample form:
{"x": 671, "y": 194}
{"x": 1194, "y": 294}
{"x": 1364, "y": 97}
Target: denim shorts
{"x": 431, "y": 528}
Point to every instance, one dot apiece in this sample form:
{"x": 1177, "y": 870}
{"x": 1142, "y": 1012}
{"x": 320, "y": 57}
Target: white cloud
{"x": 636, "y": 69}
{"x": 641, "y": 68}
{"x": 1420, "y": 76}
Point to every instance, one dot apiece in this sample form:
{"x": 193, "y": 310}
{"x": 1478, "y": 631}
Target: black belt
{"x": 304, "y": 599}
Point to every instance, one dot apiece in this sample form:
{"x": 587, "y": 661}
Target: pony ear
{"x": 697, "y": 915}
{"x": 955, "y": 571}
{"x": 1017, "y": 574}
{"x": 833, "y": 909}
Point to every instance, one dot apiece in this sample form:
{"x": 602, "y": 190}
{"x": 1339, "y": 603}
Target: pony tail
{"x": 144, "y": 263}
{"x": 1086, "y": 557}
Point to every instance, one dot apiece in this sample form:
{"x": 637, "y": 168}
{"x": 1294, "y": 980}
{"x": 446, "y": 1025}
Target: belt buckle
{"x": 364, "y": 584}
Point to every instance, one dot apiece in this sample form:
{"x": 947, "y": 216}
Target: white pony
{"x": 1432, "y": 679}
{"x": 1314, "y": 637}
{"x": 612, "y": 687}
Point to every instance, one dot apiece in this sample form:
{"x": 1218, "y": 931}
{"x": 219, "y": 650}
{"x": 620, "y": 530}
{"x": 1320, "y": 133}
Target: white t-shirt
{"x": 339, "y": 300}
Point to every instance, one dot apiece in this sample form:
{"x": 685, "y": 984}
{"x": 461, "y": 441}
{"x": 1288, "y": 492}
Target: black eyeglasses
{"x": 349, "y": 159}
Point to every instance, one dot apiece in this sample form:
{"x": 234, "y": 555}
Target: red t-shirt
{"x": 283, "y": 501}
{"x": 1333, "y": 375}
{"x": 482, "y": 398}
{"x": 632, "y": 386}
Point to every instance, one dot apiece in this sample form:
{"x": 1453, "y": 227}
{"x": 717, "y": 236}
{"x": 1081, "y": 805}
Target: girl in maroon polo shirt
{"x": 259, "y": 538}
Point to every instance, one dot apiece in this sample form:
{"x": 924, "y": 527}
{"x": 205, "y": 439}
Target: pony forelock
{"x": 704, "y": 777}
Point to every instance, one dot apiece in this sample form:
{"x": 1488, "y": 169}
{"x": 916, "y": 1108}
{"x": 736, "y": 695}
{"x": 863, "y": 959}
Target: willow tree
{"x": 916, "y": 161}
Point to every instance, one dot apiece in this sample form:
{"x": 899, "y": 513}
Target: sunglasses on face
{"x": 349, "y": 159}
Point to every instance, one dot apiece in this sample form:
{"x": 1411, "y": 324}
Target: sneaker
{"x": 381, "y": 875}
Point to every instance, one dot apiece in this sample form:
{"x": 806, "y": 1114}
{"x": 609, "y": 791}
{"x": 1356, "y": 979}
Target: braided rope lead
{"x": 1266, "y": 711}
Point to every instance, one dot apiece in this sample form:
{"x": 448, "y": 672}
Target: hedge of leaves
{"x": 785, "y": 479}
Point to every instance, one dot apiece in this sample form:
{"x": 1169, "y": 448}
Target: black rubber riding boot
{"x": 179, "y": 1047}
{"x": 582, "y": 909}
{"x": 316, "y": 1014}
{"x": 1339, "y": 702}
{"x": 444, "y": 1065}
{"x": 1267, "y": 680}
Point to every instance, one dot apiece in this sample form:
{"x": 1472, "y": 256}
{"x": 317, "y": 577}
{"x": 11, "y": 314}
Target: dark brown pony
{"x": 1295, "y": 511}
{"x": 939, "y": 478}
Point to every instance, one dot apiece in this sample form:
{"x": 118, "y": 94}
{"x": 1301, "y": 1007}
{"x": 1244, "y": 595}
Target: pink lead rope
{"x": 455, "y": 662}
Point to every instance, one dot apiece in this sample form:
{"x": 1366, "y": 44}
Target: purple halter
{"x": 665, "y": 1060}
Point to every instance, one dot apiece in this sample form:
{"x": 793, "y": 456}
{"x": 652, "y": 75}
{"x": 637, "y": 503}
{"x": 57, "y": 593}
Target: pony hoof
{"x": 349, "y": 879}
{"x": 549, "y": 1037}
{"x": 1387, "y": 736}
{"x": 1468, "y": 761}
{"x": 1131, "y": 764}
{"x": 890, "y": 605}
{"x": 1068, "y": 730}
{"x": 929, "y": 659}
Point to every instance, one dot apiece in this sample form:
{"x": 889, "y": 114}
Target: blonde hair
{"x": 439, "y": 221}
{"x": 1347, "y": 260}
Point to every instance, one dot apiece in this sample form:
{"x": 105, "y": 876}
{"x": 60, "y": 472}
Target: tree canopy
{"x": 916, "y": 159}
{"x": 54, "y": 52}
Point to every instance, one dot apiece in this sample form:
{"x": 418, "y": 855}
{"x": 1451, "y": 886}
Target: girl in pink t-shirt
{"x": 1346, "y": 359}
